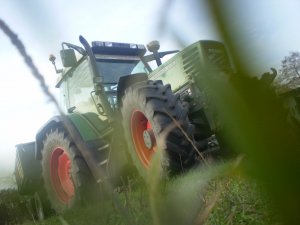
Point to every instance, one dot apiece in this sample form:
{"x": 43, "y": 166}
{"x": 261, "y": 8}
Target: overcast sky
{"x": 269, "y": 30}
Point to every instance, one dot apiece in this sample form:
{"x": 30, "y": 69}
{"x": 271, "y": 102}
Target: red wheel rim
{"x": 60, "y": 166}
{"x": 139, "y": 125}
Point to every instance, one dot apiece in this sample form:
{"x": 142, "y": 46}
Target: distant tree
{"x": 290, "y": 69}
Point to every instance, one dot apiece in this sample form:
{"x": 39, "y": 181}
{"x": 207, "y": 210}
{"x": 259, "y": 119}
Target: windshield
{"x": 140, "y": 68}
{"x": 112, "y": 69}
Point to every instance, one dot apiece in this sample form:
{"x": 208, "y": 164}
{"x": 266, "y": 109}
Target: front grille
{"x": 218, "y": 58}
{"x": 190, "y": 61}
{"x": 204, "y": 56}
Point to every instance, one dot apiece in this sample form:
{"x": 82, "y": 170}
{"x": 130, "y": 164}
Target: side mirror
{"x": 68, "y": 57}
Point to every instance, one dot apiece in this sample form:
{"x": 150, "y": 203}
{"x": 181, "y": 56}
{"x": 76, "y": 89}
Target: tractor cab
{"x": 114, "y": 60}
{"x": 80, "y": 79}
{"x": 90, "y": 83}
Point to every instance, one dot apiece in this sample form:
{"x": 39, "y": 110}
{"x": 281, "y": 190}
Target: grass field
{"x": 211, "y": 195}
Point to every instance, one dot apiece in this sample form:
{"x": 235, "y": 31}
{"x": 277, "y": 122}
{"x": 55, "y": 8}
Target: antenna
{"x": 153, "y": 47}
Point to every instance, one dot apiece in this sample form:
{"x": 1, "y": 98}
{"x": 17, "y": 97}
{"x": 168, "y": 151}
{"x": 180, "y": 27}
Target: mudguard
{"x": 88, "y": 125}
{"x": 126, "y": 81}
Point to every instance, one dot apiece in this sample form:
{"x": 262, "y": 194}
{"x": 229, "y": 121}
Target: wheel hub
{"x": 149, "y": 138}
{"x": 143, "y": 137}
{"x": 60, "y": 165}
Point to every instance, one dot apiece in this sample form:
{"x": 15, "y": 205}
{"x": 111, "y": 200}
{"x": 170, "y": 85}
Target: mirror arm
{"x": 144, "y": 61}
{"x": 75, "y": 47}
{"x": 52, "y": 59}
{"x": 57, "y": 70}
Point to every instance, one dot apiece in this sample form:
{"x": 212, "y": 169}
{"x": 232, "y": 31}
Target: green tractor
{"x": 119, "y": 110}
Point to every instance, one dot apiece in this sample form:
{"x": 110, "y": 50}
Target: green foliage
{"x": 131, "y": 198}
{"x": 209, "y": 195}
{"x": 13, "y": 207}
{"x": 240, "y": 202}
{"x": 256, "y": 125}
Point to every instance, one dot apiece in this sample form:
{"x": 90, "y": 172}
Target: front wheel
{"x": 149, "y": 109}
{"x": 66, "y": 176}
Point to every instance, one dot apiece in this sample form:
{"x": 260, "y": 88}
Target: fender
{"x": 88, "y": 125}
{"x": 53, "y": 123}
{"x": 126, "y": 81}
{"x": 77, "y": 126}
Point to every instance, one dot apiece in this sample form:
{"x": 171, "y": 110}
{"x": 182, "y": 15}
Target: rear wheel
{"x": 66, "y": 176}
{"x": 149, "y": 109}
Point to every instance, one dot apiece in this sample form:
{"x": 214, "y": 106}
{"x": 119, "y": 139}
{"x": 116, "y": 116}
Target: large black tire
{"x": 66, "y": 177}
{"x": 148, "y": 112}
